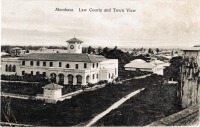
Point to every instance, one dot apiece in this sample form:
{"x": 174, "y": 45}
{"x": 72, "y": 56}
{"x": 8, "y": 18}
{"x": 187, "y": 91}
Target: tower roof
{"x": 74, "y": 40}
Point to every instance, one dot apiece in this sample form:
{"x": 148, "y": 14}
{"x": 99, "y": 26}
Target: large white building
{"x": 73, "y": 67}
{"x": 154, "y": 66}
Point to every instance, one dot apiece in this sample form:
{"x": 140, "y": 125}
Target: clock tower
{"x": 75, "y": 45}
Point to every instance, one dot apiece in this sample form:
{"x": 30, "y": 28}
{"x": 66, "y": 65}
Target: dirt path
{"x": 114, "y": 106}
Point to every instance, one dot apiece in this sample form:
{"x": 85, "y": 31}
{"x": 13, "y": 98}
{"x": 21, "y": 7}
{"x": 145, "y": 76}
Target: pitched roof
{"x": 191, "y": 49}
{"x": 74, "y": 40}
{"x": 69, "y": 57}
{"x": 136, "y": 64}
{"x": 15, "y": 48}
{"x": 52, "y": 86}
{"x": 138, "y": 60}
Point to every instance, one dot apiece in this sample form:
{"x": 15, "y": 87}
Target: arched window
{"x": 87, "y": 79}
{"x": 67, "y": 66}
{"x": 70, "y": 79}
{"x": 10, "y": 68}
{"x": 37, "y": 73}
{"x": 14, "y": 68}
{"x": 6, "y": 67}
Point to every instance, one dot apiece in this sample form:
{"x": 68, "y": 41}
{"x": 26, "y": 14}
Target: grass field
{"x": 155, "y": 102}
{"x": 85, "y": 106}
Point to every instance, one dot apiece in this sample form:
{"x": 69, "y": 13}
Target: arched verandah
{"x": 87, "y": 79}
{"x": 79, "y": 79}
{"x": 70, "y": 78}
{"x": 53, "y": 77}
{"x": 61, "y": 78}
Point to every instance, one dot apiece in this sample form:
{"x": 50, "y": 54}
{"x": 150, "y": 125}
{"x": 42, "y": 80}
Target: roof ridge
{"x": 89, "y": 58}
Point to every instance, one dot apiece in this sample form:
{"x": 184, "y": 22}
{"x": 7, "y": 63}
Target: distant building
{"x": 16, "y": 51}
{"x": 4, "y": 54}
{"x": 154, "y": 66}
{"x": 45, "y": 50}
{"x": 73, "y": 67}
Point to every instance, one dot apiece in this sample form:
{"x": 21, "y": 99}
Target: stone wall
{"x": 188, "y": 116}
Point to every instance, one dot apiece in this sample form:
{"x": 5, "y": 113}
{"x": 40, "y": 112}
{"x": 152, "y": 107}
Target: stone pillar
{"x": 65, "y": 79}
{"x": 57, "y": 79}
{"x": 74, "y": 80}
{"x": 83, "y": 79}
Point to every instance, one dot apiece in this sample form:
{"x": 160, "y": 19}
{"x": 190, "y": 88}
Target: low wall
{"x": 188, "y": 116}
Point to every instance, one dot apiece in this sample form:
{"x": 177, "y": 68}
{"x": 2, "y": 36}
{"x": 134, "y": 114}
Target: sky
{"x": 154, "y": 22}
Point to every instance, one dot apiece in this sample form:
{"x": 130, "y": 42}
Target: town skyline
{"x": 155, "y": 23}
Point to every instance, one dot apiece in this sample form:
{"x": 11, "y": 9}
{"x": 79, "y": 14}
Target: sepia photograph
{"x": 85, "y": 63}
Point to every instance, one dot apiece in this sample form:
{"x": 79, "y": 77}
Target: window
{"x": 51, "y": 64}
{"x": 85, "y": 65}
{"x": 38, "y": 63}
{"x": 44, "y": 63}
{"x": 67, "y": 66}
{"x": 31, "y": 72}
{"x": 93, "y": 65}
{"x": 109, "y": 75}
{"x": 14, "y": 68}
{"x": 10, "y": 68}
{"x": 93, "y": 76}
{"x": 97, "y": 64}
{"x": 60, "y": 64}
{"x": 115, "y": 71}
{"x": 44, "y": 73}
{"x": 23, "y": 62}
{"x": 31, "y": 63}
{"x": 23, "y": 72}
{"x": 37, "y": 73}
{"x": 6, "y": 67}
{"x": 97, "y": 76}
{"x": 76, "y": 66}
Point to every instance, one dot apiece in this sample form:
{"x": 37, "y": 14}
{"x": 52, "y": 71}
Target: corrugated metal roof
{"x": 138, "y": 60}
{"x": 191, "y": 49}
{"x": 136, "y": 64}
{"x": 15, "y": 48}
{"x": 69, "y": 57}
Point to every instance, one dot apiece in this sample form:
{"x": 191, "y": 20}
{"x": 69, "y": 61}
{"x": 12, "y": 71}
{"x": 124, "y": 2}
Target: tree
{"x": 99, "y": 50}
{"x": 150, "y": 51}
{"x": 141, "y": 49}
{"x": 93, "y": 51}
{"x": 89, "y": 50}
{"x": 134, "y": 50}
{"x": 105, "y": 51}
{"x": 157, "y": 50}
{"x": 173, "y": 71}
{"x": 115, "y": 48}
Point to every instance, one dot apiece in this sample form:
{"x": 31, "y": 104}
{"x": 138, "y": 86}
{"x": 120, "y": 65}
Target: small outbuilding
{"x": 52, "y": 92}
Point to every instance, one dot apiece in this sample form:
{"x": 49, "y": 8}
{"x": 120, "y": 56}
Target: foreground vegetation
{"x": 80, "y": 108}
{"x": 155, "y": 102}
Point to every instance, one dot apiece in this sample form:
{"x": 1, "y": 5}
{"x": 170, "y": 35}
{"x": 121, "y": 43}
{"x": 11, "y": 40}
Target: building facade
{"x": 73, "y": 67}
{"x": 154, "y": 66}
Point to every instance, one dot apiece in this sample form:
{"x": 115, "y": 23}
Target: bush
{"x": 90, "y": 103}
{"x": 22, "y": 88}
{"x": 91, "y": 85}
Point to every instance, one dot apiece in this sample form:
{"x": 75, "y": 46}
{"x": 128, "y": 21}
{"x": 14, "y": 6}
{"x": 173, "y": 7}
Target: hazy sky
{"x": 154, "y": 23}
